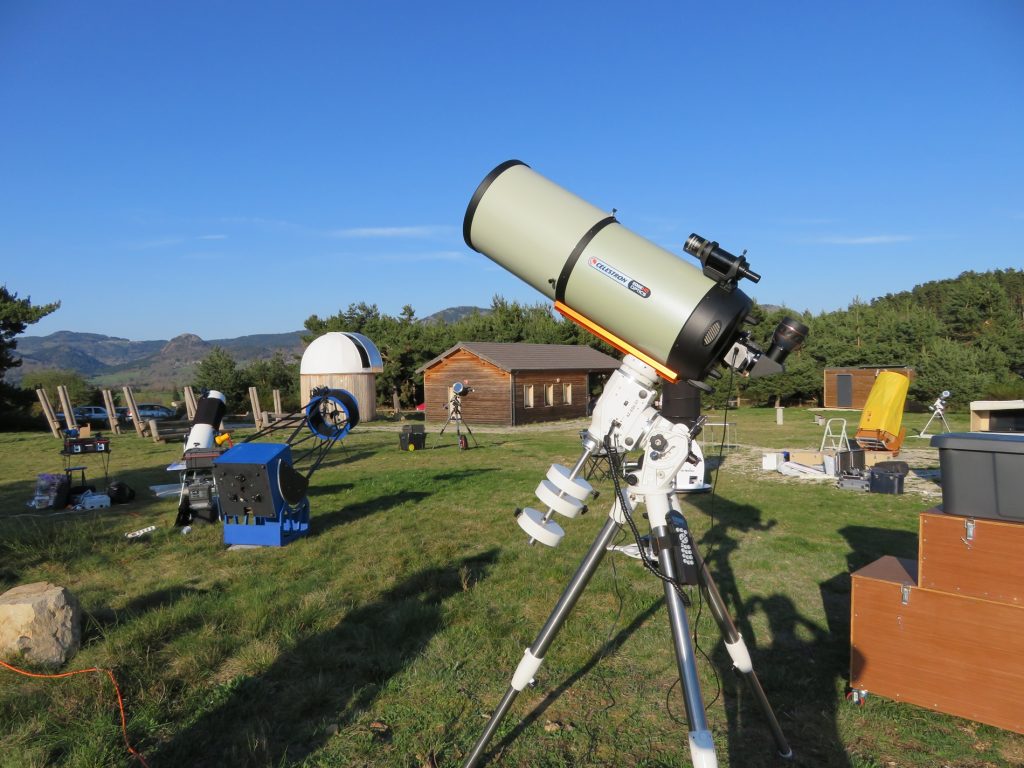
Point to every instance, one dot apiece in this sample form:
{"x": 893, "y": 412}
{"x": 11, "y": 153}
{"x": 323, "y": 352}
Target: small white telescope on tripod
{"x": 938, "y": 409}
{"x": 671, "y": 319}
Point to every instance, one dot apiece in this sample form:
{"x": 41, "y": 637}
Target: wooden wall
{"x": 559, "y": 409}
{"x": 362, "y": 385}
{"x": 497, "y": 396}
{"x": 863, "y": 380}
{"x": 488, "y": 403}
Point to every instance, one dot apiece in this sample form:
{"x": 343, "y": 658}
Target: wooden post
{"x": 133, "y": 407}
{"x": 65, "y": 404}
{"x": 395, "y": 402}
{"x": 277, "y": 402}
{"x": 257, "y": 414}
{"x": 108, "y": 403}
{"x": 48, "y": 414}
{"x": 190, "y": 404}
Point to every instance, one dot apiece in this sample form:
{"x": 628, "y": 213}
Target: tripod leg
{"x": 740, "y": 654}
{"x": 470, "y": 431}
{"x": 445, "y": 426}
{"x": 702, "y": 747}
{"x": 535, "y": 653}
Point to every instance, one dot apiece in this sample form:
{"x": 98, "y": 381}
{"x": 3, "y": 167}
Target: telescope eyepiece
{"x": 789, "y": 336}
{"x": 718, "y": 263}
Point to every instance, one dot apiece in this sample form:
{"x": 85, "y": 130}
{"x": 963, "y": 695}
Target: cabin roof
{"x": 531, "y": 357}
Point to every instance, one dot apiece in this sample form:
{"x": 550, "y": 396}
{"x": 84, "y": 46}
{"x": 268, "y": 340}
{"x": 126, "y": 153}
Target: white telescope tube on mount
{"x": 209, "y": 413}
{"x": 641, "y": 298}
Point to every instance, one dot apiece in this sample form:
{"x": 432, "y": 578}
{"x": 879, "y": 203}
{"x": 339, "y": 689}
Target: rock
{"x": 41, "y": 620}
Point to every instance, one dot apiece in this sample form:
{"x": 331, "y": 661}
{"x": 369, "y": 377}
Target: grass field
{"x": 386, "y": 637}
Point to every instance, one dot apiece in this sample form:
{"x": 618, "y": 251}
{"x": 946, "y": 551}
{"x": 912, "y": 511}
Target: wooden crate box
{"x": 974, "y": 557}
{"x": 943, "y": 651}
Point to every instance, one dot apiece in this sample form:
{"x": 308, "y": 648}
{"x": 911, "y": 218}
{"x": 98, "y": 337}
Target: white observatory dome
{"x": 338, "y": 352}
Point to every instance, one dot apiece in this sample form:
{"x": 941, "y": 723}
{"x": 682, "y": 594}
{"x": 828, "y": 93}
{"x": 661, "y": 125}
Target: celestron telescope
{"x": 672, "y": 320}
{"x": 455, "y": 414}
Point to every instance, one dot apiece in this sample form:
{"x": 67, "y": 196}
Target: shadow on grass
{"x": 610, "y": 646}
{"x": 100, "y": 620}
{"x": 799, "y": 670}
{"x": 456, "y": 477}
{"x": 323, "y": 490}
{"x": 352, "y": 512}
{"x": 806, "y": 667}
{"x": 281, "y": 716}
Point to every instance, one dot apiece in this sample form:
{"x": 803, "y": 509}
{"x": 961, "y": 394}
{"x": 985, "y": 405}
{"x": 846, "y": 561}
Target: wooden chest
{"x": 978, "y": 558}
{"x": 945, "y": 651}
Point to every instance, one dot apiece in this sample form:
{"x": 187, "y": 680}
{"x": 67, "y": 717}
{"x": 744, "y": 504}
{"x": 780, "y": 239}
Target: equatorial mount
{"x": 625, "y": 419}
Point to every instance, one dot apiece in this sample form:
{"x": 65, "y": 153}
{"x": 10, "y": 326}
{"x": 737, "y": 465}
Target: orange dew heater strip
{"x": 623, "y": 346}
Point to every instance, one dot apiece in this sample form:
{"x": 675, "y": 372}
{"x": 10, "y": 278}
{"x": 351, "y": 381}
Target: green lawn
{"x": 386, "y": 637}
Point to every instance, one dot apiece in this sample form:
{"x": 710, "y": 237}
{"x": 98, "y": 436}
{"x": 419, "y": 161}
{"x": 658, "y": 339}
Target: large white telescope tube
{"x": 640, "y": 297}
{"x": 209, "y": 414}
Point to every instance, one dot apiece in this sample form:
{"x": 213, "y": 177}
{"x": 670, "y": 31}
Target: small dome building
{"x": 347, "y": 361}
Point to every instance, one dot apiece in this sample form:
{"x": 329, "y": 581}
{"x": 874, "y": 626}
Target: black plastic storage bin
{"x": 882, "y": 481}
{"x": 982, "y": 474}
{"x": 413, "y": 437}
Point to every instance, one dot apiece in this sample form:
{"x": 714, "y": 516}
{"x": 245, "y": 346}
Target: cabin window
{"x": 567, "y": 394}
{"x": 549, "y": 395}
{"x": 528, "y": 395}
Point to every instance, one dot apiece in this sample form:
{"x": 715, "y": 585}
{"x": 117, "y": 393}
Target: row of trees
{"x": 405, "y": 343}
{"x": 964, "y": 334}
{"x": 219, "y": 371}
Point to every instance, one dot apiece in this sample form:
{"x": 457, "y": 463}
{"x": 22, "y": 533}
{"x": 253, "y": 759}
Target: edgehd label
{"x": 621, "y": 278}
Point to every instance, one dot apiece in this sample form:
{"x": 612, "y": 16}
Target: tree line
{"x": 964, "y": 334}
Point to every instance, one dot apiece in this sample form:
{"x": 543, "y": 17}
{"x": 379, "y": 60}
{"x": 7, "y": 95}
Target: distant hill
{"x": 160, "y": 363}
{"x": 111, "y": 360}
{"x": 454, "y": 314}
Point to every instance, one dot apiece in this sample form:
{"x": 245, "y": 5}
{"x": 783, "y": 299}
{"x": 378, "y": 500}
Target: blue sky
{"x": 231, "y": 168}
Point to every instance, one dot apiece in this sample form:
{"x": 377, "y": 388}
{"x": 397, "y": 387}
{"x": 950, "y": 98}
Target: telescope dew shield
{"x": 624, "y": 288}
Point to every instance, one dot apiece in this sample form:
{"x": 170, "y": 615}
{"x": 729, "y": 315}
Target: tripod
{"x": 455, "y": 414}
{"x": 627, "y": 420}
{"x": 938, "y": 409}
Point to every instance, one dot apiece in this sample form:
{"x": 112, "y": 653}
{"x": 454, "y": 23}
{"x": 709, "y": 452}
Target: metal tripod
{"x": 629, "y": 421}
{"x": 455, "y": 414}
{"x": 939, "y": 410}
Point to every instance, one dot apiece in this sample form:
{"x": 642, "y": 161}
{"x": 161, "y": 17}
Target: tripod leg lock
{"x": 702, "y": 750}
{"x": 526, "y": 670}
{"x": 740, "y": 655}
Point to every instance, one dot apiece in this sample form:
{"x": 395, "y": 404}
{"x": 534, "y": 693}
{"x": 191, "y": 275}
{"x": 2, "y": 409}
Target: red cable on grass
{"x": 120, "y": 702}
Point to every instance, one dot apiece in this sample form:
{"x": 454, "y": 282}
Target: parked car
{"x": 149, "y": 411}
{"x": 86, "y": 414}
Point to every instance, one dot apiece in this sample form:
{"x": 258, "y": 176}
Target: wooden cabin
{"x": 513, "y": 384}
{"x": 850, "y": 387}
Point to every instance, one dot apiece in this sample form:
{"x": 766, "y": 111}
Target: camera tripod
{"x": 626, "y": 419}
{"x": 455, "y": 414}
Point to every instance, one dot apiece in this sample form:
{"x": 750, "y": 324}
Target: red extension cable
{"x": 120, "y": 702}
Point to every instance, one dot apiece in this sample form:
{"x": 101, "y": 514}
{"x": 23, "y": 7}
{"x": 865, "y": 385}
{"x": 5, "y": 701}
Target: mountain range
{"x": 111, "y": 360}
{"x": 159, "y": 363}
